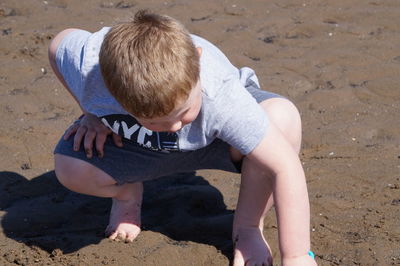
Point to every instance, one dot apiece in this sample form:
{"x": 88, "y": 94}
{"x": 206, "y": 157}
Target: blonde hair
{"x": 149, "y": 65}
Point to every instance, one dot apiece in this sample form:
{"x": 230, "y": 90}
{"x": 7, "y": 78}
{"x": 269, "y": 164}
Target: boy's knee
{"x": 68, "y": 171}
{"x": 283, "y": 113}
{"x": 76, "y": 174}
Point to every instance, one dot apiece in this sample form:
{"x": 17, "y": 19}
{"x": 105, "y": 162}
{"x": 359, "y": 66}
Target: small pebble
{"x": 6, "y": 12}
{"x": 396, "y": 202}
{"x": 6, "y": 31}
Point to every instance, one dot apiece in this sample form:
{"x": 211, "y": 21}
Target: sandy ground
{"x": 337, "y": 60}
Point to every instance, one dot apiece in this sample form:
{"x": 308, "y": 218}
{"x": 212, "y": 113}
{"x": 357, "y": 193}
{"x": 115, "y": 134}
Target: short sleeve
{"x": 69, "y": 59}
{"x": 243, "y": 121}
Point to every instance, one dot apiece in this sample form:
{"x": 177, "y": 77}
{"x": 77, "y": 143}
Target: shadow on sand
{"x": 41, "y": 212}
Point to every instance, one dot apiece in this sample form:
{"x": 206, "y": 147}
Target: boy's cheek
{"x": 154, "y": 128}
{"x": 189, "y": 118}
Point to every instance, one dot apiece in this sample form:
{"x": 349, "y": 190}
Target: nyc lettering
{"x": 129, "y": 131}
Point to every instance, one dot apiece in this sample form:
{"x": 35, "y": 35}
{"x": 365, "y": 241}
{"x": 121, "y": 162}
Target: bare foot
{"x": 124, "y": 224}
{"x": 251, "y": 248}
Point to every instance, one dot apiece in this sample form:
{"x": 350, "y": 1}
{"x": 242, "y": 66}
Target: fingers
{"x": 91, "y": 131}
{"x": 88, "y": 136}
{"x": 100, "y": 140}
{"x": 80, "y": 133}
{"x": 98, "y": 135}
{"x": 88, "y": 142}
{"x": 71, "y": 130}
{"x": 117, "y": 140}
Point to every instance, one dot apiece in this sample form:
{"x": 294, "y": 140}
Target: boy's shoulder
{"x": 212, "y": 56}
{"x": 85, "y": 47}
{"x": 215, "y": 68}
{"x": 78, "y": 61}
{"x": 93, "y": 45}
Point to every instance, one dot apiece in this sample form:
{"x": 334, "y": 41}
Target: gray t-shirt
{"x": 228, "y": 110}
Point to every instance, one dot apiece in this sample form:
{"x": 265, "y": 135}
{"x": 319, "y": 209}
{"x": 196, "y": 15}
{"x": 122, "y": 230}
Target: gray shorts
{"x": 134, "y": 163}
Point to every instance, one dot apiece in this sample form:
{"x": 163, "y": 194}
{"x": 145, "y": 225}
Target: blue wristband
{"x": 311, "y": 254}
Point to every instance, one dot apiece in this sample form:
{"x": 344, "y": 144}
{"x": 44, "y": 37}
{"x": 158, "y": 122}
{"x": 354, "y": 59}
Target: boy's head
{"x": 149, "y": 65}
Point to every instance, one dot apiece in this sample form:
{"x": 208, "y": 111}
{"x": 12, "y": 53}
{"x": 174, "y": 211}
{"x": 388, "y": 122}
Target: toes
{"x": 131, "y": 236}
{"x": 113, "y": 235}
{"x": 121, "y": 236}
{"x": 118, "y": 236}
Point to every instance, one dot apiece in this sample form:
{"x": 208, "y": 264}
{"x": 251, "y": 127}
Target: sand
{"x": 337, "y": 60}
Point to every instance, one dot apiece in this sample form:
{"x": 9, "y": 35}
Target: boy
{"x": 157, "y": 100}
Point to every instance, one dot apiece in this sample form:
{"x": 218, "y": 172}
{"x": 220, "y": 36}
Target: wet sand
{"x": 338, "y": 61}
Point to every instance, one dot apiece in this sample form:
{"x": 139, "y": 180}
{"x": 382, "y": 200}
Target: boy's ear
{"x": 199, "y": 50}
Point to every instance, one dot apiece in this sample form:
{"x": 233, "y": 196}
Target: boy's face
{"x": 183, "y": 114}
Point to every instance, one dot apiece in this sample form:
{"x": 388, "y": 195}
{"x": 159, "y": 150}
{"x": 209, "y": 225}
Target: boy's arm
{"x": 52, "y": 51}
{"x": 275, "y": 154}
{"x": 90, "y": 129}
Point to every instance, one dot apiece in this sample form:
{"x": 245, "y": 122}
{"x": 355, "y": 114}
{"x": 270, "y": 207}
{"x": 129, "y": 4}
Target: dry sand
{"x": 337, "y": 60}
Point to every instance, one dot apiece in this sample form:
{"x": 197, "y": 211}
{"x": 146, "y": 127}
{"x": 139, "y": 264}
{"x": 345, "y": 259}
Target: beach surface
{"x": 338, "y": 61}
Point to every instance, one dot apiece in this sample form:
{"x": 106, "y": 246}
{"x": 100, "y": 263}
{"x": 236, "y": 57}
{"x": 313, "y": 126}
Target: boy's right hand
{"x": 91, "y": 129}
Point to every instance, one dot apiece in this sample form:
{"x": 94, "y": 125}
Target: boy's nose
{"x": 175, "y": 127}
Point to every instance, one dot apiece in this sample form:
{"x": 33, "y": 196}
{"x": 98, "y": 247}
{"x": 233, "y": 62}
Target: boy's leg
{"x": 82, "y": 177}
{"x": 255, "y": 197}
